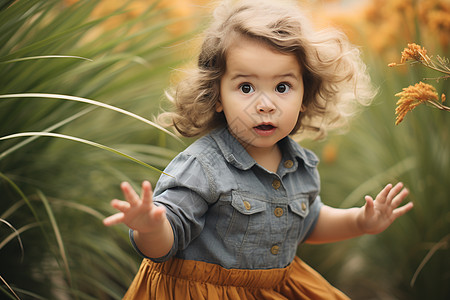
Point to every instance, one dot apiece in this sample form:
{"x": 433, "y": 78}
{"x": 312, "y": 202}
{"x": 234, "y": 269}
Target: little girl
{"x": 227, "y": 222}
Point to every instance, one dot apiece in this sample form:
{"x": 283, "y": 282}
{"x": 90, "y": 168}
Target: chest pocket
{"x": 242, "y": 220}
{"x": 299, "y": 207}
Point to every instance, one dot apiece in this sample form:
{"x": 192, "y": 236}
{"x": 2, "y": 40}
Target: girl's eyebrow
{"x": 239, "y": 76}
{"x": 290, "y": 74}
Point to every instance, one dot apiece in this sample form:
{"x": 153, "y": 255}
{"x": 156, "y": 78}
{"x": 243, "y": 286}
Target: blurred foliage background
{"x": 55, "y": 192}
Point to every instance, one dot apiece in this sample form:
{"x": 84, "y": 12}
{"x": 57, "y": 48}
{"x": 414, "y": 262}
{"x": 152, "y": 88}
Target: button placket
{"x": 276, "y": 184}
{"x": 278, "y": 212}
{"x": 278, "y": 223}
{"x": 288, "y": 164}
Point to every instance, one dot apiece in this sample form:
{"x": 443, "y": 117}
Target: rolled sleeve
{"x": 186, "y": 195}
{"x": 313, "y": 216}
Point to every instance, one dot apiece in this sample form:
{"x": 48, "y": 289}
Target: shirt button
{"x": 276, "y": 184}
{"x": 247, "y": 205}
{"x": 289, "y": 164}
{"x": 303, "y": 206}
{"x": 274, "y": 250}
{"x": 278, "y": 212}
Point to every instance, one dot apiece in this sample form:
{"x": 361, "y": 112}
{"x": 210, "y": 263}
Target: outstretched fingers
{"x": 383, "y": 195}
{"x": 129, "y": 193}
{"x": 402, "y": 210}
{"x": 399, "y": 197}
{"x": 114, "y": 219}
{"x": 369, "y": 207}
{"x": 120, "y": 205}
{"x": 379, "y": 214}
{"x": 393, "y": 193}
{"x": 157, "y": 212}
{"x": 147, "y": 193}
{"x": 137, "y": 212}
{"x": 395, "y": 196}
{"x": 117, "y": 218}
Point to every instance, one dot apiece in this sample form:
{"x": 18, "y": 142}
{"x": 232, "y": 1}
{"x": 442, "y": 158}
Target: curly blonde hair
{"x": 335, "y": 78}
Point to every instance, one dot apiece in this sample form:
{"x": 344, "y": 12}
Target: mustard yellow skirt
{"x": 186, "y": 279}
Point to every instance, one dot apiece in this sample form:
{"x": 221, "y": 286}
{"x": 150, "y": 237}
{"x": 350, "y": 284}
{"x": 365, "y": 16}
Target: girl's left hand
{"x": 377, "y": 215}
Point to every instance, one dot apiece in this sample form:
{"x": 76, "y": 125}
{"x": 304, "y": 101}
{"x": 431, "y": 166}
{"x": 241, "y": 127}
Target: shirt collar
{"x": 235, "y": 154}
{"x": 292, "y": 150}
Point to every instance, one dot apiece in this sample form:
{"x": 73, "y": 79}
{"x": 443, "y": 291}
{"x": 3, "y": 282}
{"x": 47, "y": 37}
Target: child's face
{"x": 261, "y": 94}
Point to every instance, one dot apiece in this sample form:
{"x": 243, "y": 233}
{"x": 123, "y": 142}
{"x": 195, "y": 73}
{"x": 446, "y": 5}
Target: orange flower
{"x": 435, "y": 15}
{"x": 330, "y": 153}
{"x": 413, "y": 96}
{"x": 414, "y": 52}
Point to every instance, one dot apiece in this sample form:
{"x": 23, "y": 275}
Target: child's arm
{"x": 152, "y": 231}
{"x": 374, "y": 217}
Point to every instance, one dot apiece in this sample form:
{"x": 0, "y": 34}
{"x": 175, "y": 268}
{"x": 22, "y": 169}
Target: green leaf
{"x": 42, "y": 57}
{"x": 80, "y": 140}
{"x": 93, "y": 102}
{"x": 59, "y": 240}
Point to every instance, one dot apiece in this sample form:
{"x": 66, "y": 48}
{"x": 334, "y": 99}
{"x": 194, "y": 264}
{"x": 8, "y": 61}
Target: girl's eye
{"x": 246, "y": 88}
{"x": 283, "y": 88}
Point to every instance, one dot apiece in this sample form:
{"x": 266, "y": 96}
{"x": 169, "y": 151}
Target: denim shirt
{"x": 226, "y": 209}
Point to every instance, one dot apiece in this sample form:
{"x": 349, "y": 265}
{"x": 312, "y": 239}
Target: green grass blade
{"x": 10, "y": 288}
{"x": 89, "y": 101}
{"x": 7, "y": 239}
{"x": 58, "y": 37}
{"x": 27, "y": 201}
{"x": 49, "y": 129}
{"x": 12, "y": 209}
{"x": 31, "y": 295}
{"x": 62, "y": 250}
{"x": 16, "y": 233}
{"x": 5, "y": 4}
{"x": 443, "y": 243}
{"x": 19, "y": 191}
{"x": 80, "y": 140}
{"x": 43, "y": 57}
{"x": 80, "y": 207}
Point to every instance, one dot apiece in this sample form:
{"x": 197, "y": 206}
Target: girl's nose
{"x": 264, "y": 105}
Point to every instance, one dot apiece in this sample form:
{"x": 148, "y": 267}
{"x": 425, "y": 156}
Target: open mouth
{"x": 265, "y": 129}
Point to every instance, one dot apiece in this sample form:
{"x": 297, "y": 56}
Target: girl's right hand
{"x": 138, "y": 213}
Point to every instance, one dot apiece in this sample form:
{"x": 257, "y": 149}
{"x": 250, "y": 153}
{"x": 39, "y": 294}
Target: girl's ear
{"x": 302, "y": 108}
{"x": 219, "y": 106}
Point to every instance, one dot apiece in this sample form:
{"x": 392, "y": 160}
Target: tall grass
{"x": 54, "y": 192}
{"x": 410, "y": 259}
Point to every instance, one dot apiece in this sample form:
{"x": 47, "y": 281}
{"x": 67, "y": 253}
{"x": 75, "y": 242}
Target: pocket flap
{"x": 300, "y": 206}
{"x": 247, "y": 205}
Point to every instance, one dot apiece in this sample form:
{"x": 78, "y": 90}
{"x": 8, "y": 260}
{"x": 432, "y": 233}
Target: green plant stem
{"x": 89, "y": 101}
{"x": 83, "y": 141}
